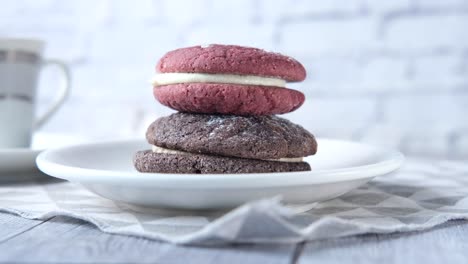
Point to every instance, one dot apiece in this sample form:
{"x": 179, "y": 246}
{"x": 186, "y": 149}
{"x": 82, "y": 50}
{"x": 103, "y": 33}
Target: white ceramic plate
{"x": 107, "y": 170}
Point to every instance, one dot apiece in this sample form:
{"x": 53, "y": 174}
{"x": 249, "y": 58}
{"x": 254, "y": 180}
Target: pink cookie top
{"x": 230, "y": 59}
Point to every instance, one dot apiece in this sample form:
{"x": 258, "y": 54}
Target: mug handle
{"x": 62, "y": 94}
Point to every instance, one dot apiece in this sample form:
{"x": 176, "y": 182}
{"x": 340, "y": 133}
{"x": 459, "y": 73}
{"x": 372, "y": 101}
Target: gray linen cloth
{"x": 419, "y": 196}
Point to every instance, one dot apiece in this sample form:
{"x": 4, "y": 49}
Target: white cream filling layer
{"x": 157, "y": 149}
{"x": 175, "y": 78}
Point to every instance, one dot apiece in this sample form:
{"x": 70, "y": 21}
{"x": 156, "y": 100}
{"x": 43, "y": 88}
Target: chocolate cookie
{"x": 253, "y": 137}
{"x": 148, "y": 161}
{"x": 231, "y": 59}
{"x": 228, "y": 98}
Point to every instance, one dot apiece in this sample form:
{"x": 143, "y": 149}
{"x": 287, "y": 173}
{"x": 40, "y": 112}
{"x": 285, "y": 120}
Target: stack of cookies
{"x": 228, "y": 97}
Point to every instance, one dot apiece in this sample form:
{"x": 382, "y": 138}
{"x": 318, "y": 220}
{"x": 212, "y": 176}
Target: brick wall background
{"x": 388, "y": 72}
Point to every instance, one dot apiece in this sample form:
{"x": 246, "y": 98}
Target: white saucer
{"x": 107, "y": 170}
{"x": 18, "y": 164}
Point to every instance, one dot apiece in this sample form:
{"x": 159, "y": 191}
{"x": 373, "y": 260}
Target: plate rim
{"x": 255, "y": 180}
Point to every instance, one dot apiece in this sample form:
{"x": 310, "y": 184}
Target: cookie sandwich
{"x": 222, "y": 79}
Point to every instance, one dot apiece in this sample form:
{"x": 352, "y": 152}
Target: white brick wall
{"x": 426, "y": 32}
{"x": 328, "y": 36}
{"x": 393, "y": 73}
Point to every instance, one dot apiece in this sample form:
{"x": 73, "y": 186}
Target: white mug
{"x": 20, "y": 63}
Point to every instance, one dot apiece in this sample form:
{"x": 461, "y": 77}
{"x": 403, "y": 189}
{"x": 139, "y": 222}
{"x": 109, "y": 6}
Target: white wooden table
{"x": 67, "y": 240}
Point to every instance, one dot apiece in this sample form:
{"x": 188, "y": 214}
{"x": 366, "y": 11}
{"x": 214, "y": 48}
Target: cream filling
{"x": 175, "y": 78}
{"x": 157, "y": 149}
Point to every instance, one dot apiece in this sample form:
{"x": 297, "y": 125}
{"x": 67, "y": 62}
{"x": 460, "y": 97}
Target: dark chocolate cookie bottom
{"x": 148, "y": 161}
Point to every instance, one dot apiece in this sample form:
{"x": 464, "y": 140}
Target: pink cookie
{"x": 232, "y": 99}
{"x": 230, "y": 59}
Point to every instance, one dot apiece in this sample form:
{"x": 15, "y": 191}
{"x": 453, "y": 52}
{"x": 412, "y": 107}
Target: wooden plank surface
{"x": 63, "y": 239}
{"x": 12, "y": 225}
{"x": 445, "y": 244}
